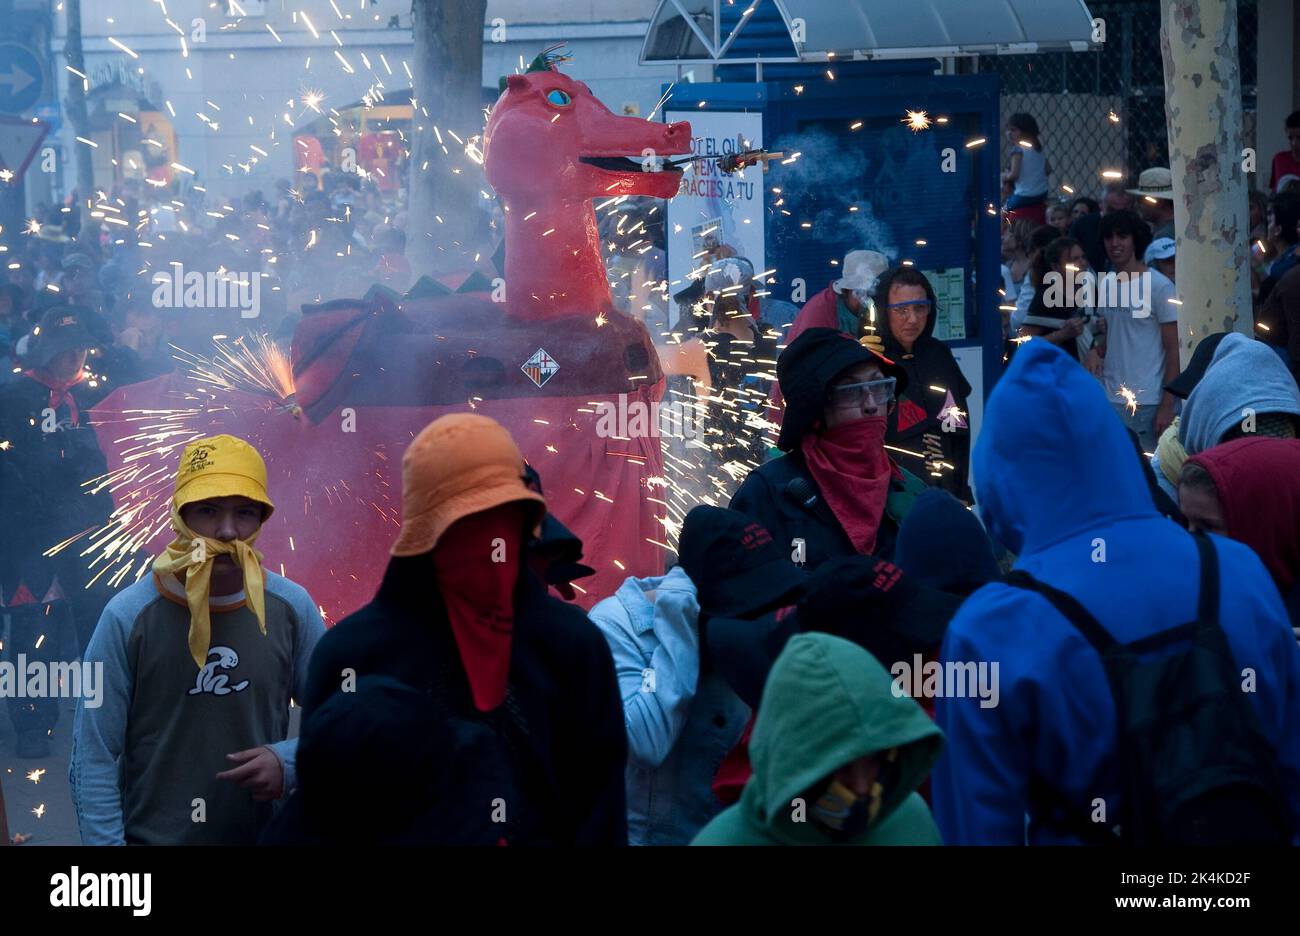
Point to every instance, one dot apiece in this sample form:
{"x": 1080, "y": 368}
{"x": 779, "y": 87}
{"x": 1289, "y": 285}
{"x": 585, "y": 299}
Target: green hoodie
{"x": 828, "y": 702}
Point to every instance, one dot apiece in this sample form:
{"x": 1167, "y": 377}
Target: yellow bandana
{"x": 194, "y": 555}
{"x": 219, "y": 466}
{"x": 1171, "y": 453}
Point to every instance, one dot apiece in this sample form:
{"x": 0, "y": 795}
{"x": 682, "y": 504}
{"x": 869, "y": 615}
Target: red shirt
{"x": 1284, "y": 164}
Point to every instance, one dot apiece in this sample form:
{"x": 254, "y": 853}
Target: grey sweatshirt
{"x": 144, "y": 763}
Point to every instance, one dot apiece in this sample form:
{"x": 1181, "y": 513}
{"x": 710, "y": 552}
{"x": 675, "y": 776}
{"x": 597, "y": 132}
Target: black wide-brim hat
{"x": 737, "y": 568}
{"x": 805, "y": 370}
{"x": 62, "y": 328}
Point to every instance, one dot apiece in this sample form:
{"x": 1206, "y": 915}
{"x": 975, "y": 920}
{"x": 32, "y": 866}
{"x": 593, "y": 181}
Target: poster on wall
{"x": 950, "y": 292}
{"x": 713, "y": 208}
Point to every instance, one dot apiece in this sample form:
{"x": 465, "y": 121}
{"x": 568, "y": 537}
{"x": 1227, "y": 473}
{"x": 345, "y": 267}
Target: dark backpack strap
{"x": 1207, "y": 611}
{"x": 1046, "y": 803}
{"x": 1207, "y": 603}
{"x": 1069, "y": 608}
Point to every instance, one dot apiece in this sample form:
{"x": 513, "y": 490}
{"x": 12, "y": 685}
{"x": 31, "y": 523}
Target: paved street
{"x": 57, "y": 824}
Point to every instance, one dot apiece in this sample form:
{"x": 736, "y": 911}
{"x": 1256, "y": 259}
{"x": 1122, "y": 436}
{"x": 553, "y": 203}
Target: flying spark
{"x": 916, "y": 121}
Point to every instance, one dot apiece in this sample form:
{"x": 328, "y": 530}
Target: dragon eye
{"x": 558, "y": 98}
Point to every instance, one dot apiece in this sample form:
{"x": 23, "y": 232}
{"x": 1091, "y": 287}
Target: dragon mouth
{"x": 624, "y": 164}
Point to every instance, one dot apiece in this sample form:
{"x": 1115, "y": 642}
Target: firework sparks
{"x": 916, "y": 121}
{"x": 35, "y": 775}
{"x": 311, "y": 99}
{"x": 1130, "y": 399}
{"x": 142, "y": 484}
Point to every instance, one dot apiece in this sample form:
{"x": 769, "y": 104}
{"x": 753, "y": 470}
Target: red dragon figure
{"x": 370, "y": 374}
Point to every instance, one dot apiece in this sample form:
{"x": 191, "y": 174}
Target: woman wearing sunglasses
{"x": 928, "y": 430}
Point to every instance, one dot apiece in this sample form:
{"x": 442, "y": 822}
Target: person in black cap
{"x": 835, "y": 491}
{"x": 738, "y": 568}
{"x": 753, "y": 599}
{"x": 1167, "y": 460}
{"x": 892, "y": 611}
{"x": 50, "y": 452}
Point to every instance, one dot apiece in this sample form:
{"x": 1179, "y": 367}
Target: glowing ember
{"x": 312, "y": 100}
{"x": 916, "y": 121}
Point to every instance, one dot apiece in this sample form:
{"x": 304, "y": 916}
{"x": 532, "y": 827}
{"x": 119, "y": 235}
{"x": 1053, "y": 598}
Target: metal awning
{"x": 686, "y": 32}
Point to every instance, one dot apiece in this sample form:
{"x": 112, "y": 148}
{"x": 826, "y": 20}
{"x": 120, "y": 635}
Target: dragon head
{"x": 547, "y": 127}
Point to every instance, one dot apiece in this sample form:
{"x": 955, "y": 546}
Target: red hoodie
{"x": 1258, "y": 480}
{"x": 821, "y": 311}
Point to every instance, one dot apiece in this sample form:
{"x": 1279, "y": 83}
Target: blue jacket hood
{"x": 1243, "y": 374}
{"x": 1052, "y": 458}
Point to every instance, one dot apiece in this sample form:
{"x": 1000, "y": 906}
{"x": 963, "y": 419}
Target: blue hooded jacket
{"x": 1059, "y": 483}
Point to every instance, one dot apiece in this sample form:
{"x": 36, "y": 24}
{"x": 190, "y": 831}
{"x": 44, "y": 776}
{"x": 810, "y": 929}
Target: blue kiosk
{"x": 831, "y": 83}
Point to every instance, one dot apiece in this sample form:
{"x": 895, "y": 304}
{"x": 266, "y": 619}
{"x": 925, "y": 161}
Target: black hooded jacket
{"x": 917, "y": 422}
{"x": 42, "y": 473}
{"x": 563, "y": 715}
{"x": 782, "y": 493}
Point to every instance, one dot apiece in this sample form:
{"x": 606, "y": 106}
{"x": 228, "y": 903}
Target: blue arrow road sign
{"x": 20, "y": 78}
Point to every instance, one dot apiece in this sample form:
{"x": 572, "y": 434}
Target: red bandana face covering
{"x": 60, "y": 390}
{"x": 852, "y": 471}
{"x": 476, "y": 563}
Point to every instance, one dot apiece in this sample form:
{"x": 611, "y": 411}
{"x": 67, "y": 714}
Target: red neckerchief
{"x": 852, "y": 472}
{"x": 60, "y": 390}
{"x": 478, "y": 592}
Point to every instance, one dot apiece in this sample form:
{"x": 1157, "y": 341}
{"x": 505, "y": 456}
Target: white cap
{"x": 1162, "y": 248}
{"x": 862, "y": 270}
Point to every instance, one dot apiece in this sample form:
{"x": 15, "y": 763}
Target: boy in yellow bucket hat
{"x": 200, "y": 660}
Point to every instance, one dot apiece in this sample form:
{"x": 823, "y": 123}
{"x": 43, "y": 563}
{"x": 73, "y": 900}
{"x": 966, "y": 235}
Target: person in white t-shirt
{"x": 1139, "y": 351}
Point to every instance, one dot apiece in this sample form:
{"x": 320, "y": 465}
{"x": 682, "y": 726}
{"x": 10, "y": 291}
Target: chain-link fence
{"x": 1106, "y": 109}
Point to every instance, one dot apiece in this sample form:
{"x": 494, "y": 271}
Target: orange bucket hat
{"x": 460, "y": 464}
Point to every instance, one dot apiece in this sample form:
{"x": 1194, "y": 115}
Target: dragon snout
{"x": 678, "y": 134}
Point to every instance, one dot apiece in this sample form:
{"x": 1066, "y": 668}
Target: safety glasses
{"x": 914, "y": 309}
{"x": 856, "y": 395}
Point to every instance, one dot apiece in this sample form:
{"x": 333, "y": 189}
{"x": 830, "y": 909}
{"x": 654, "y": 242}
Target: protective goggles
{"x": 914, "y": 309}
{"x": 856, "y": 395}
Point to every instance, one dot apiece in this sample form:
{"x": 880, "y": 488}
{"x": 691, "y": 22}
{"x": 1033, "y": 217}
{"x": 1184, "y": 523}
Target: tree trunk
{"x": 1203, "y": 111}
{"x": 77, "y": 112}
{"x": 447, "y": 86}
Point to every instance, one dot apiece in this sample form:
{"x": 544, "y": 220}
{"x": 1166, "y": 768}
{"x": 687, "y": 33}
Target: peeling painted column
{"x": 1203, "y": 113}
